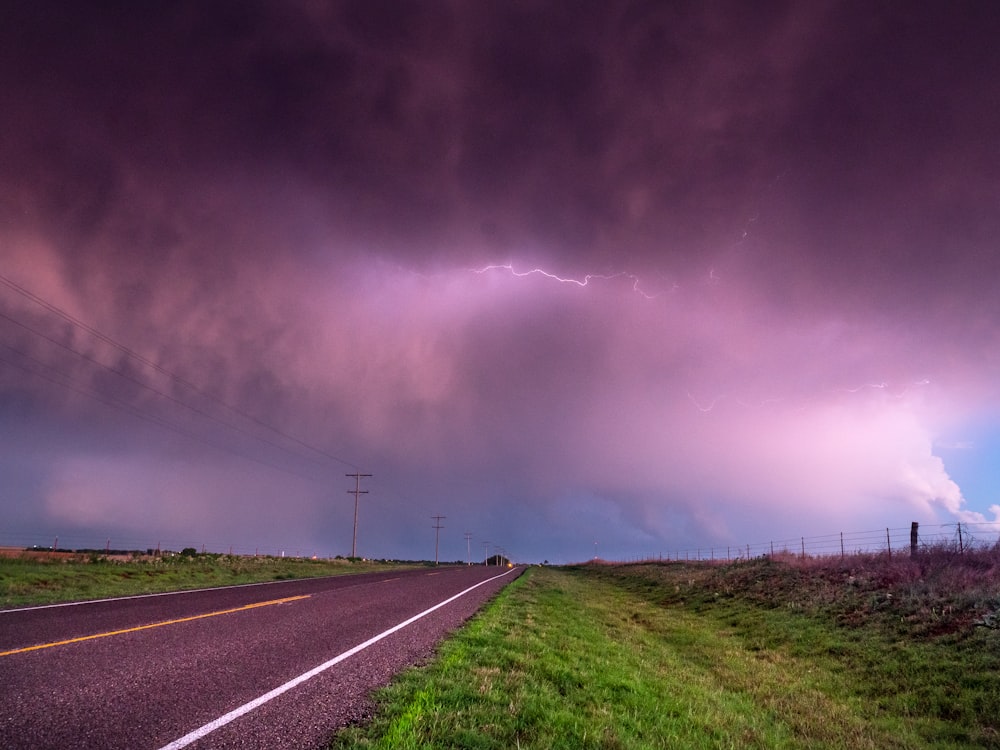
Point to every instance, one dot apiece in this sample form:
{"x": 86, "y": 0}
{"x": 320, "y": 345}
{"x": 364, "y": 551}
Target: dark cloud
{"x": 657, "y": 272}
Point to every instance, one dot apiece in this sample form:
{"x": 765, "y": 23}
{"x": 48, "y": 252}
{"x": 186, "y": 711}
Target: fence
{"x": 891, "y": 541}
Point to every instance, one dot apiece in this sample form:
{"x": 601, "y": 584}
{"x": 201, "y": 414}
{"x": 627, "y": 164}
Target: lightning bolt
{"x": 882, "y": 386}
{"x": 585, "y": 281}
{"x": 711, "y": 404}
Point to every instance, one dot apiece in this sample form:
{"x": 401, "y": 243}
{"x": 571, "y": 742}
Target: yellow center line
{"x": 153, "y": 625}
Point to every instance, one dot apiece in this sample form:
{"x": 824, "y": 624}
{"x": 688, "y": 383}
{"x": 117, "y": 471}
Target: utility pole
{"x": 437, "y": 531}
{"x": 356, "y": 491}
{"x": 486, "y": 545}
{"x": 468, "y": 548}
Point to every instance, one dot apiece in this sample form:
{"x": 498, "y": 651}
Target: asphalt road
{"x": 163, "y": 670}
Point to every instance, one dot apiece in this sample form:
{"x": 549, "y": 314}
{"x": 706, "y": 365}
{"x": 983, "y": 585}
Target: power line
{"x": 123, "y": 406}
{"x": 129, "y": 352}
{"x": 150, "y": 388}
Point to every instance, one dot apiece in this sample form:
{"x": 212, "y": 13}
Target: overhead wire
{"x": 131, "y": 353}
{"x": 134, "y": 411}
{"x": 128, "y": 351}
{"x": 150, "y": 388}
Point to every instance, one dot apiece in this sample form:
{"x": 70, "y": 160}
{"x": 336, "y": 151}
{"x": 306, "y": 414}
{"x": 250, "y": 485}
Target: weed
{"x": 25, "y": 580}
{"x": 864, "y": 652}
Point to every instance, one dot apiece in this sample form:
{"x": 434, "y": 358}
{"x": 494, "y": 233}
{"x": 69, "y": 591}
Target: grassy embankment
{"x": 39, "y": 580}
{"x": 860, "y": 653}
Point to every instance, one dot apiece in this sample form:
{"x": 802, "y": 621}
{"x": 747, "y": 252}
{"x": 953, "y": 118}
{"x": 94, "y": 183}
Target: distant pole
{"x": 468, "y": 548}
{"x": 486, "y": 546}
{"x": 437, "y": 531}
{"x": 356, "y": 491}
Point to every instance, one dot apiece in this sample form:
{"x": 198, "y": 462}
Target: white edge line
{"x": 147, "y": 596}
{"x": 211, "y": 726}
{"x": 173, "y": 593}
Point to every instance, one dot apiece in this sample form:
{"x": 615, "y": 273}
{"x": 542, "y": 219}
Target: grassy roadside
{"x": 25, "y": 580}
{"x": 577, "y": 659}
{"x": 915, "y": 639}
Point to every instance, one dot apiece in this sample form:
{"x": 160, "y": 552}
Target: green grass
{"x": 601, "y": 658}
{"x": 907, "y": 637}
{"x": 25, "y": 580}
{"x": 864, "y": 652}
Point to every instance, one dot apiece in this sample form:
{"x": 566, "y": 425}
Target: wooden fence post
{"x": 913, "y": 538}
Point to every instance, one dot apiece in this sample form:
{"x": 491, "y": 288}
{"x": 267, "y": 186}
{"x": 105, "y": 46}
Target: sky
{"x": 613, "y": 278}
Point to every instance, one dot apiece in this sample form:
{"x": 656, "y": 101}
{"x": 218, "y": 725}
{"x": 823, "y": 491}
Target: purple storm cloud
{"x": 659, "y": 276}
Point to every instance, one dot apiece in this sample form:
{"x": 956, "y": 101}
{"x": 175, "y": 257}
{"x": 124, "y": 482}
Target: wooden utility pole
{"x": 468, "y": 548}
{"x": 437, "y": 531}
{"x": 356, "y": 492}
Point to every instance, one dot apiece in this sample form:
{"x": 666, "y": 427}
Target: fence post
{"x": 748, "y": 553}
{"x": 841, "y": 545}
{"x": 888, "y": 543}
{"x": 803, "y": 548}
{"x": 961, "y": 546}
{"x": 913, "y": 538}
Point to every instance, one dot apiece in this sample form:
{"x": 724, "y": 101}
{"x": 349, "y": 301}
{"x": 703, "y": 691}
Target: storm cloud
{"x": 658, "y": 276}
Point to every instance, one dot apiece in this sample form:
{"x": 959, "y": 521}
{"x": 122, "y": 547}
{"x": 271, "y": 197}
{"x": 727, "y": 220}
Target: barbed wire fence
{"x": 959, "y": 537}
